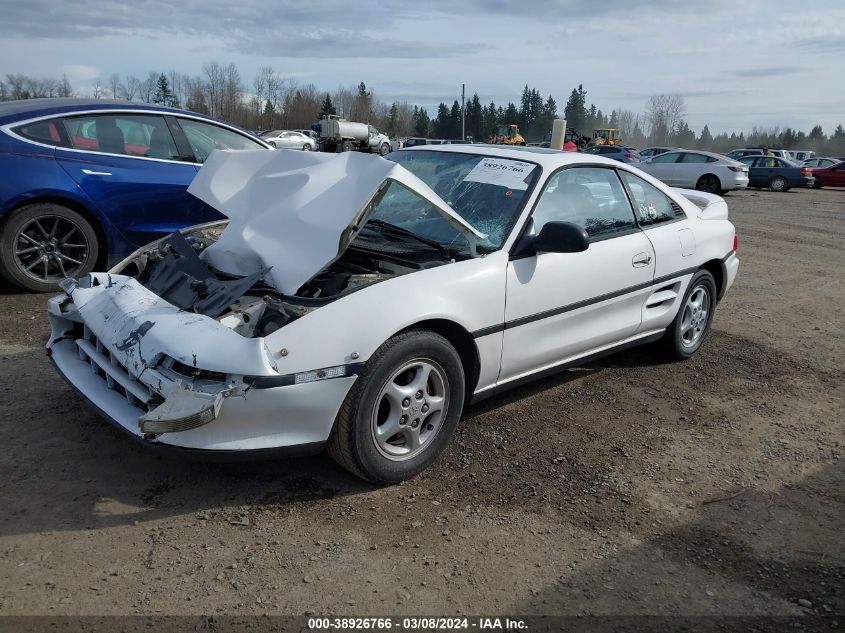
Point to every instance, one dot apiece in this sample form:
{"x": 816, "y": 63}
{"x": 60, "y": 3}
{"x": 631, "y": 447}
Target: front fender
{"x": 470, "y": 293}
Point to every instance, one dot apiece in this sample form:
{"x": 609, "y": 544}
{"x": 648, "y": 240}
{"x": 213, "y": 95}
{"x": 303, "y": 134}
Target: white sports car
{"x": 357, "y": 304}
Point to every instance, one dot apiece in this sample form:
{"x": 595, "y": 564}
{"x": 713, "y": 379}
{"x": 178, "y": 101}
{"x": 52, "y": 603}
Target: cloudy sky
{"x": 738, "y": 64}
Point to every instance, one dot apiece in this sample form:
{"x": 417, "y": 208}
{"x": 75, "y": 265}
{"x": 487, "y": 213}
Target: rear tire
{"x": 709, "y": 184}
{"x": 390, "y": 428}
{"x": 42, "y": 243}
{"x": 691, "y": 326}
{"x": 347, "y": 146}
{"x": 817, "y": 184}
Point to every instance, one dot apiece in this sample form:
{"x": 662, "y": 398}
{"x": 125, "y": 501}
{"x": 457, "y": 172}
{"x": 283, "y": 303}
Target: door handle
{"x": 91, "y": 172}
{"x": 641, "y": 259}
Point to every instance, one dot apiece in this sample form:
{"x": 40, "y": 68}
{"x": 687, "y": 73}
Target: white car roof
{"x": 548, "y": 159}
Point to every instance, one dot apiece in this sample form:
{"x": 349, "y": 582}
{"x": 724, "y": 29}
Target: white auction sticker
{"x": 501, "y": 171}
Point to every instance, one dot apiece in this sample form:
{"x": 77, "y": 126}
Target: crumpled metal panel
{"x": 296, "y": 212}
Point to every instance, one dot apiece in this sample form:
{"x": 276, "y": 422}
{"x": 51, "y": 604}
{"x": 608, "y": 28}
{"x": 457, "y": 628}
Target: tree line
{"x": 271, "y": 101}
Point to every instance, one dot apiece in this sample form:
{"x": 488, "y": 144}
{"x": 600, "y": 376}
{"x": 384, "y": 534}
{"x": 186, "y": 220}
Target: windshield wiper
{"x": 398, "y": 230}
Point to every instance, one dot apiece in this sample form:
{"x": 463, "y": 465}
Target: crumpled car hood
{"x": 296, "y": 212}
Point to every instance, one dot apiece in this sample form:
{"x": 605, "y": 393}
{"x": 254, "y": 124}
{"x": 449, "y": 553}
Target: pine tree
{"x": 327, "y": 108}
{"x": 455, "y": 121}
{"x": 422, "y": 123}
{"x": 576, "y": 109}
{"x": 474, "y": 118}
{"x": 163, "y": 95}
{"x": 705, "y": 141}
{"x": 816, "y": 134}
{"x": 442, "y": 125}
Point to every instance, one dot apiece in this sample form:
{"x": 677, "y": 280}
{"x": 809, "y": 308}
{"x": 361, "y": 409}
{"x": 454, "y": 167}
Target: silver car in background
{"x": 289, "y": 139}
{"x": 704, "y": 171}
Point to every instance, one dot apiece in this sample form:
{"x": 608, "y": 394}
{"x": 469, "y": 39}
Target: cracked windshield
{"x": 488, "y": 192}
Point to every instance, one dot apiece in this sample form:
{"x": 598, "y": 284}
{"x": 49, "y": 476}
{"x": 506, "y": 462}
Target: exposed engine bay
{"x": 174, "y": 269}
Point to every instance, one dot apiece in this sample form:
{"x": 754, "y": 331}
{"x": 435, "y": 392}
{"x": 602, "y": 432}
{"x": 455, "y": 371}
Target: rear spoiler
{"x": 711, "y": 206}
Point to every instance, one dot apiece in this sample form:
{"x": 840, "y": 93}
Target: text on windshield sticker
{"x": 512, "y": 174}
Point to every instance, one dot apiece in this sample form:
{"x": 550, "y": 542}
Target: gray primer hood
{"x": 296, "y": 212}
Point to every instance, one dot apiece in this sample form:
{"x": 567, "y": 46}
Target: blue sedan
{"x": 86, "y": 182}
{"x": 778, "y": 174}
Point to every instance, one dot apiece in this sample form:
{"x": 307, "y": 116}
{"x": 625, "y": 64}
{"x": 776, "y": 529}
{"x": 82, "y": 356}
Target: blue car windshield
{"x": 486, "y": 191}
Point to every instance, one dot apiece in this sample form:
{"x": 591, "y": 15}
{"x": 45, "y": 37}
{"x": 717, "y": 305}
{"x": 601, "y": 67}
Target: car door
{"x": 560, "y": 306}
{"x": 837, "y": 175}
{"x": 663, "y": 167}
{"x": 766, "y": 167}
{"x": 667, "y": 227}
{"x": 128, "y": 163}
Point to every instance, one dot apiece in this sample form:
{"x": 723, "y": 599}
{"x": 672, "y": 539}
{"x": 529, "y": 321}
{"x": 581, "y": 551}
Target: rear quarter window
{"x": 49, "y": 132}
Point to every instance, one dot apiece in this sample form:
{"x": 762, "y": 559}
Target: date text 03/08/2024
{"x": 417, "y": 624}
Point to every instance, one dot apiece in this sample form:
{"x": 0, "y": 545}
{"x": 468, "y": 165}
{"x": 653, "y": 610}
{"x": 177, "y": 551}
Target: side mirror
{"x": 560, "y": 237}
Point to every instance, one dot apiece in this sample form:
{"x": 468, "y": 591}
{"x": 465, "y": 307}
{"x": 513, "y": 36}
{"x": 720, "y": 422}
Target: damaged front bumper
{"x": 136, "y": 359}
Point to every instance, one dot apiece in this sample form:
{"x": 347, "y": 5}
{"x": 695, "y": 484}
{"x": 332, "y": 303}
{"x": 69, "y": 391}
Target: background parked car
{"x": 309, "y": 133}
{"x": 86, "y": 182}
{"x": 736, "y": 154}
{"x": 833, "y": 176}
{"x": 413, "y": 141}
{"x": 704, "y": 171}
{"x": 801, "y": 155}
{"x": 820, "y": 162}
{"x": 616, "y": 152}
{"x": 778, "y": 174}
{"x": 648, "y": 152}
{"x": 289, "y": 139}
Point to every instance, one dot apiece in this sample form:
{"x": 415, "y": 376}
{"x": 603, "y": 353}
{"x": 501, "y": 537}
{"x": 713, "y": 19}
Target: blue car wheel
{"x": 43, "y": 243}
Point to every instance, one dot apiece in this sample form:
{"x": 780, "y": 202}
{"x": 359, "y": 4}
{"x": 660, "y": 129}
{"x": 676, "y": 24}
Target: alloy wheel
{"x": 694, "y": 320}
{"x": 410, "y": 409}
{"x": 51, "y": 247}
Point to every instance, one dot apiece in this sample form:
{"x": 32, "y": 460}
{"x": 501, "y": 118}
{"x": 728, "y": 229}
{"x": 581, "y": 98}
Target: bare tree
{"x": 232, "y": 90}
{"x": 344, "y": 99}
{"x": 147, "y": 88}
{"x": 116, "y": 86}
{"x": 99, "y": 90}
{"x": 664, "y": 116}
{"x": 214, "y": 86}
{"x": 177, "y": 87}
{"x": 132, "y": 87}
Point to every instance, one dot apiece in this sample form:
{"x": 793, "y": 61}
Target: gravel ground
{"x": 628, "y": 486}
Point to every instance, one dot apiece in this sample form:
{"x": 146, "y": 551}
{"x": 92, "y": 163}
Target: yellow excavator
{"x": 508, "y": 135}
{"x": 606, "y": 136}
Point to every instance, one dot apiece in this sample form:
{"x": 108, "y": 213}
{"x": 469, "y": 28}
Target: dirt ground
{"x": 628, "y": 486}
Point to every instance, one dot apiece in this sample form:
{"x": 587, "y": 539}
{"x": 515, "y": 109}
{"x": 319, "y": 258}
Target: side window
{"x": 204, "y": 138}
{"x": 48, "y": 132}
{"x": 652, "y": 205}
{"x": 689, "y": 157}
{"x": 747, "y": 160}
{"x": 667, "y": 157}
{"x": 588, "y": 196}
{"x": 130, "y": 134}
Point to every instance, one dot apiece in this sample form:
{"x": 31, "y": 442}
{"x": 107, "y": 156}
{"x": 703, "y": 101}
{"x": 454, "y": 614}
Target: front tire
{"x": 817, "y": 184}
{"x": 691, "y": 326}
{"x": 42, "y": 243}
{"x": 402, "y": 410}
{"x": 779, "y": 184}
{"x": 384, "y": 149}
